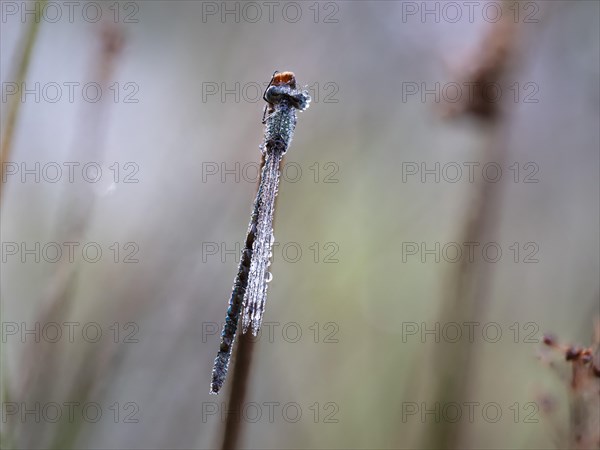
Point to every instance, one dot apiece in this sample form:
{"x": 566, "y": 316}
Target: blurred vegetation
{"x": 365, "y": 307}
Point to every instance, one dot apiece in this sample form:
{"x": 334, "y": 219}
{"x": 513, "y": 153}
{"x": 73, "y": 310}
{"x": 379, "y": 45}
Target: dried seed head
{"x": 572, "y": 353}
{"x": 549, "y": 340}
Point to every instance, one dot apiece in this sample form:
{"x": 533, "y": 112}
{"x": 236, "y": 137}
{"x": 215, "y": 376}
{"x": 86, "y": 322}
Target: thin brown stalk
{"x": 239, "y": 386}
{"x": 77, "y": 204}
{"x": 41, "y": 360}
{"x": 469, "y": 284}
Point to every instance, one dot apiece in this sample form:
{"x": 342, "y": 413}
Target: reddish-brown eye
{"x": 284, "y": 78}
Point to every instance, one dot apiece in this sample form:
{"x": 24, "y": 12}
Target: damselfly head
{"x": 281, "y": 78}
{"x": 283, "y": 86}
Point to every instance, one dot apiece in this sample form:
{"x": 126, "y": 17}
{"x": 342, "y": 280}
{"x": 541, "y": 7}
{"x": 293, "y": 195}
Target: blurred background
{"x": 438, "y": 213}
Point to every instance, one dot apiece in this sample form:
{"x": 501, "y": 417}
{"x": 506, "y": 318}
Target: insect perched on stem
{"x": 249, "y": 294}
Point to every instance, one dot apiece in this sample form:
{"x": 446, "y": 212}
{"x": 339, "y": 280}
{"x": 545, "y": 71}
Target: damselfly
{"x": 249, "y": 293}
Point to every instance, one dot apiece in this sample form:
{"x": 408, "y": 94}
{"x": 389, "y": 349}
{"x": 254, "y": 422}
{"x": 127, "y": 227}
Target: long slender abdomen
{"x": 255, "y": 298}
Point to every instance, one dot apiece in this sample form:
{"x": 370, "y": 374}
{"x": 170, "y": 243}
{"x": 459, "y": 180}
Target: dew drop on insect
{"x": 268, "y": 277}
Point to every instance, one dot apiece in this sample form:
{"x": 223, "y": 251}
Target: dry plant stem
{"x": 469, "y": 283}
{"x": 467, "y": 300}
{"x": 239, "y": 384}
{"x": 77, "y": 205}
{"x": 584, "y": 407}
{"x": 14, "y": 103}
{"x": 584, "y": 392}
{"x": 40, "y": 360}
{"x": 241, "y": 375}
